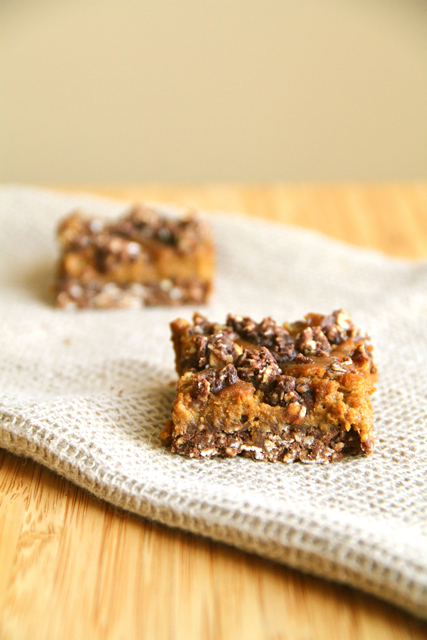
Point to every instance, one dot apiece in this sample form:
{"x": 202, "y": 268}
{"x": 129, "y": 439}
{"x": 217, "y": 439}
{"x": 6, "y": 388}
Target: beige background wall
{"x": 121, "y": 91}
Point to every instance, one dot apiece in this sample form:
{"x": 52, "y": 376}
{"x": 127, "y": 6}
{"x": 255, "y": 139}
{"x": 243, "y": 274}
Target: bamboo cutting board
{"x": 72, "y": 566}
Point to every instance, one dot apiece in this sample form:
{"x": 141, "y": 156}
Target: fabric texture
{"x": 86, "y": 393}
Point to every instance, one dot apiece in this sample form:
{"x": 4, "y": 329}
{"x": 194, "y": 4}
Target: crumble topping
{"x": 127, "y": 237}
{"x": 209, "y": 344}
{"x": 144, "y": 223}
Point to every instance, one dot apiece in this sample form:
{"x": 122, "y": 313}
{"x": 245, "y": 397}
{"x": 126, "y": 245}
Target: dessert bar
{"x": 269, "y": 391}
{"x": 144, "y": 258}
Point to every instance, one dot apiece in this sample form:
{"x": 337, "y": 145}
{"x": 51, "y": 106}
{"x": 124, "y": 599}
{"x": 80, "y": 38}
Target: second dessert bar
{"x": 144, "y": 258}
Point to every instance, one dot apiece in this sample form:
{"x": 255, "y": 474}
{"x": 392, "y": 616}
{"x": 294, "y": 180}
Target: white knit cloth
{"x": 86, "y": 393}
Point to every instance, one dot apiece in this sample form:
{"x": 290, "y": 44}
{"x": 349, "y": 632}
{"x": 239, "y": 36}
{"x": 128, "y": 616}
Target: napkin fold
{"x": 87, "y": 394}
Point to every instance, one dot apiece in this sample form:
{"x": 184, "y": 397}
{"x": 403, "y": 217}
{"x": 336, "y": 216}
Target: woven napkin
{"x": 86, "y": 393}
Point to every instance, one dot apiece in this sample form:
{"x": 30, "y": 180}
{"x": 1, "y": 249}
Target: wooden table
{"x": 72, "y": 566}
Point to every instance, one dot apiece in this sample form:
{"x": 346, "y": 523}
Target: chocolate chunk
{"x": 257, "y": 367}
{"x": 212, "y": 381}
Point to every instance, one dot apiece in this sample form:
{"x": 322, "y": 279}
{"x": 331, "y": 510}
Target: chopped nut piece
{"x": 312, "y": 341}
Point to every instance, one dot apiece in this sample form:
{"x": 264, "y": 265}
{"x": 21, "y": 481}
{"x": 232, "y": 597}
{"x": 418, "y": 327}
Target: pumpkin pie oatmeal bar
{"x": 269, "y": 391}
{"x": 144, "y": 258}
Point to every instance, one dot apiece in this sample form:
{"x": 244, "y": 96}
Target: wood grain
{"x": 72, "y": 566}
